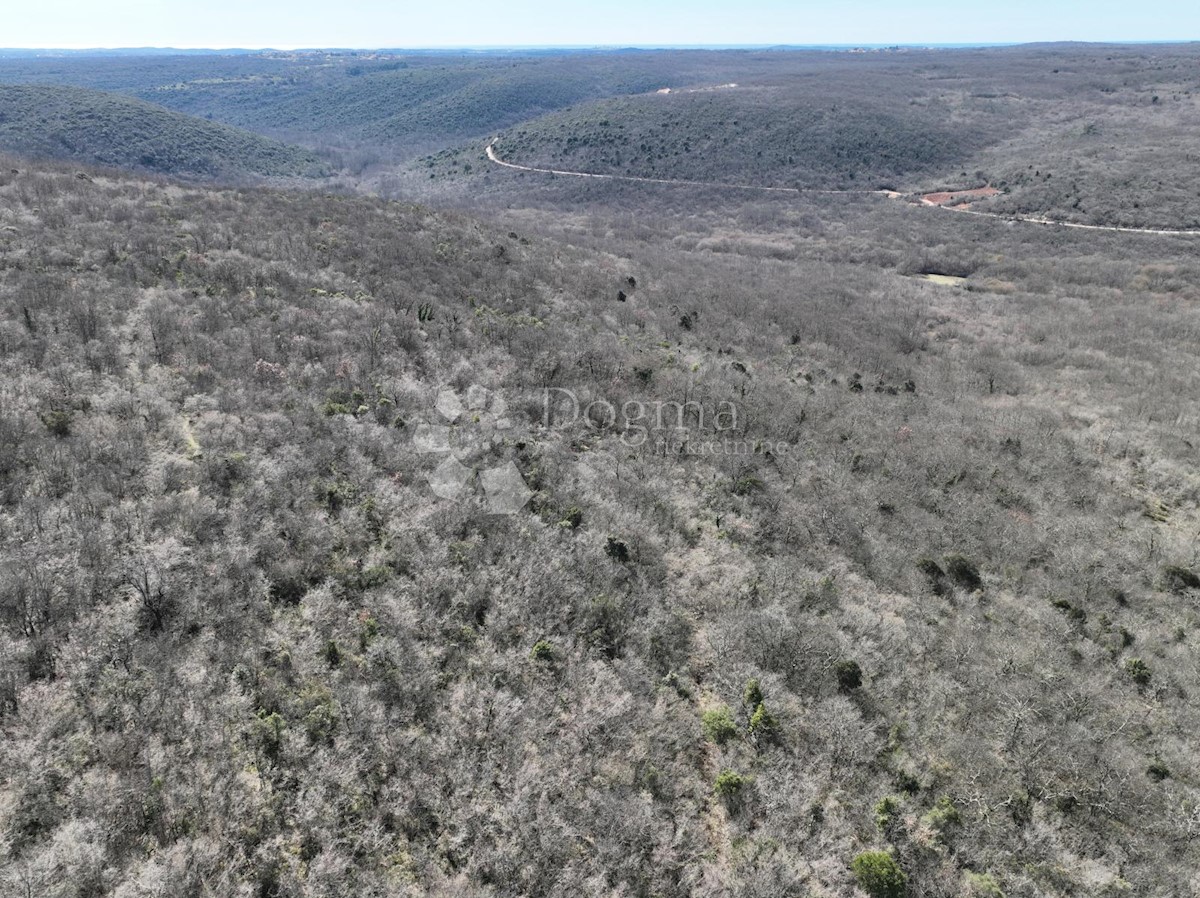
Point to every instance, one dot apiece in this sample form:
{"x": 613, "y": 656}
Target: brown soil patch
{"x": 955, "y": 197}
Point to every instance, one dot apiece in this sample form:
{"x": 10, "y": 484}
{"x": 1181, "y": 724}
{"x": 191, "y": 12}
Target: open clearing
{"x": 956, "y": 197}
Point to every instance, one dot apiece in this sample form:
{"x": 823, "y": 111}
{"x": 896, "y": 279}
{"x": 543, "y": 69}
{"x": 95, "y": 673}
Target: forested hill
{"x": 303, "y": 593}
{"x": 752, "y": 135}
{"x": 384, "y": 100}
{"x": 97, "y": 128}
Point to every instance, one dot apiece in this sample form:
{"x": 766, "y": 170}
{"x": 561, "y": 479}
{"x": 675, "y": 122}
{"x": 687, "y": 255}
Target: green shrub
{"x": 763, "y": 723}
{"x": 616, "y": 550}
{"x": 607, "y": 625}
{"x": 332, "y": 654}
{"x": 289, "y": 589}
{"x": 886, "y": 810}
{"x": 1074, "y": 612}
{"x": 1176, "y": 578}
{"x": 369, "y": 632}
{"x": 879, "y": 875}
{"x": 267, "y": 733}
{"x": 729, "y": 785}
{"x": 942, "y": 817}
{"x": 930, "y": 568}
{"x": 543, "y": 652}
{"x": 57, "y": 422}
{"x": 335, "y": 495}
{"x": 1020, "y": 808}
{"x": 1138, "y": 671}
{"x": 983, "y": 885}
{"x": 718, "y": 725}
{"x": 752, "y": 695}
{"x": 744, "y": 486}
{"x": 933, "y": 571}
{"x": 320, "y": 714}
{"x": 963, "y": 572}
{"x": 1158, "y": 771}
{"x": 672, "y": 680}
{"x": 849, "y": 675}
{"x": 907, "y": 783}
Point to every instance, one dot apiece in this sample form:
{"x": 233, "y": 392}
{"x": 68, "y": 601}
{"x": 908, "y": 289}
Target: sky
{"x": 288, "y": 24}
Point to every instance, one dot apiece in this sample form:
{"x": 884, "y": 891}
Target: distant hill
{"x": 756, "y": 134}
{"x": 391, "y": 101}
{"x": 99, "y": 128}
{"x": 407, "y": 101}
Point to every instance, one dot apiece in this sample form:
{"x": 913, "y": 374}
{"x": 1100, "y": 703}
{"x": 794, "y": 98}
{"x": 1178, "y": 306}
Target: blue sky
{"x": 459, "y": 23}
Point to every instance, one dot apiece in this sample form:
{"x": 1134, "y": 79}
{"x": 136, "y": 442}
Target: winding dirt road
{"x": 890, "y": 194}
{"x": 491, "y": 154}
{"x": 1169, "y": 232}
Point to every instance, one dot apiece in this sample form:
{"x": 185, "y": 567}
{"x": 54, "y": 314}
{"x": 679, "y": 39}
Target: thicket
{"x": 94, "y": 128}
{"x": 246, "y": 648}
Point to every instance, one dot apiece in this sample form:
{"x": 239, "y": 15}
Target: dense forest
{"x": 1090, "y": 134}
{"x": 380, "y": 105}
{"x": 553, "y": 536}
{"x": 98, "y": 128}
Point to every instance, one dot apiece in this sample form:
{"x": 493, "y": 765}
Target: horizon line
{"x": 496, "y": 48}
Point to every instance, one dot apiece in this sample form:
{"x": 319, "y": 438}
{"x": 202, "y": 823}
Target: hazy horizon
{"x": 477, "y": 24}
{"x": 490, "y": 49}
{"x": 501, "y": 48}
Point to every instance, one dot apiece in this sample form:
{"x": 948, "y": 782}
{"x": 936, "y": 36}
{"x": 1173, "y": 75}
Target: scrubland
{"x": 926, "y": 629}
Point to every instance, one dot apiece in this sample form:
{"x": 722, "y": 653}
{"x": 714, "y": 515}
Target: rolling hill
{"x": 389, "y": 101}
{"x": 1094, "y": 135}
{"x": 303, "y": 594}
{"x": 621, "y": 539}
{"x": 98, "y": 128}
{"x": 745, "y": 135}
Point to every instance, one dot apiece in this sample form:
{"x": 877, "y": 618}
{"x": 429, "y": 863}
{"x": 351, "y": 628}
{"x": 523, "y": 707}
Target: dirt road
{"x": 891, "y": 194}
{"x": 491, "y": 154}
